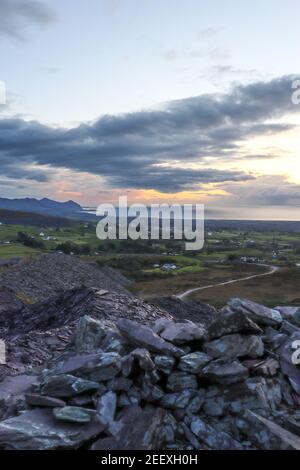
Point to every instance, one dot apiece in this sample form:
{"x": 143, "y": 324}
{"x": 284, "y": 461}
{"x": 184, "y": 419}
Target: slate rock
{"x": 288, "y": 367}
{"x": 224, "y": 372}
{"x": 119, "y": 384}
{"x": 12, "y": 390}
{"x": 89, "y": 335}
{"x": 183, "y": 333}
{"x": 64, "y": 386}
{"x": 160, "y": 324}
{"x": 291, "y": 314}
{"x": 266, "y": 434}
{"x": 266, "y": 368}
{"x": 74, "y": 414}
{"x": 38, "y": 429}
{"x": 177, "y": 400}
{"x": 194, "y": 362}
{"x": 141, "y": 430}
{"x": 34, "y": 399}
{"x": 123, "y": 400}
{"x": 127, "y": 365}
{"x": 145, "y": 337}
{"x": 97, "y": 367}
{"x": 212, "y": 437}
{"x": 234, "y": 346}
{"x": 135, "y": 395}
{"x": 257, "y": 394}
{"x": 232, "y": 322}
{"x": 273, "y": 339}
{"x": 179, "y": 381}
{"x": 164, "y": 363}
{"x": 259, "y": 314}
{"x": 152, "y": 393}
{"x": 113, "y": 342}
{"x": 196, "y": 403}
{"x": 142, "y": 356}
{"x": 85, "y": 400}
{"x": 106, "y": 408}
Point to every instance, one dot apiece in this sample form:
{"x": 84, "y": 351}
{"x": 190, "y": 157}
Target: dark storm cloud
{"x": 17, "y": 15}
{"x": 126, "y": 150}
{"x": 175, "y": 180}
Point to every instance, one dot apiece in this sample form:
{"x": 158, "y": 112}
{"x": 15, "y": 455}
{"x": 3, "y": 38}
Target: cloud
{"x": 150, "y": 149}
{"x": 267, "y": 191}
{"x": 17, "y": 15}
{"x": 208, "y": 33}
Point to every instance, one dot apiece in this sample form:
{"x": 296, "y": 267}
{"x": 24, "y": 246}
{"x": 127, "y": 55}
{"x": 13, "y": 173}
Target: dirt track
{"x": 272, "y": 270}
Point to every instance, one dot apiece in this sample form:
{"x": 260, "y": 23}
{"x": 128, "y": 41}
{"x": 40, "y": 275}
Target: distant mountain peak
{"x": 43, "y": 206}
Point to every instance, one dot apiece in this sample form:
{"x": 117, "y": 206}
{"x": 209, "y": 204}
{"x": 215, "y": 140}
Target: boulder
{"x": 183, "y": 333}
{"x": 196, "y": 403}
{"x": 273, "y": 339}
{"x": 291, "y": 314}
{"x": 257, "y": 394}
{"x": 179, "y": 381}
{"x": 266, "y": 434}
{"x": 145, "y": 337}
{"x": 161, "y": 324}
{"x": 89, "y": 335}
{"x": 177, "y": 400}
{"x": 259, "y": 314}
{"x": 74, "y": 414}
{"x": 164, "y": 364}
{"x": 232, "y": 322}
{"x": 143, "y": 358}
{"x": 106, "y": 408}
{"x": 39, "y": 430}
{"x": 193, "y": 363}
{"x": 151, "y": 393}
{"x": 96, "y": 367}
{"x": 113, "y": 342}
{"x": 288, "y": 367}
{"x": 266, "y": 368}
{"x": 233, "y": 346}
{"x": 140, "y": 430}
{"x": 12, "y": 390}
{"x": 64, "y": 386}
{"x": 224, "y": 372}
{"x": 290, "y": 422}
{"x": 213, "y": 438}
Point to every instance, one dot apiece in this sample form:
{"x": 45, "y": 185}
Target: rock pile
{"x": 33, "y": 333}
{"x": 170, "y": 385}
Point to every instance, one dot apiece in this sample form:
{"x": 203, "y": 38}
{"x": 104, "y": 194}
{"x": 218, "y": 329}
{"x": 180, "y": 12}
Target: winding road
{"x": 272, "y": 270}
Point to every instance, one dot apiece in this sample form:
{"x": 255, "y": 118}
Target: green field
{"x": 223, "y": 258}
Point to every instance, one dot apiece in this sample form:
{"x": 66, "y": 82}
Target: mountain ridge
{"x": 44, "y": 206}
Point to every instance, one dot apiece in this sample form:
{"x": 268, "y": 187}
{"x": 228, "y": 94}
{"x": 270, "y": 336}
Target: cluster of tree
{"x": 28, "y": 240}
{"x": 140, "y": 246}
{"x": 69, "y": 247}
{"x": 128, "y": 246}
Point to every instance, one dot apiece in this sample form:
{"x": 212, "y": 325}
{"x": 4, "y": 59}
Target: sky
{"x": 160, "y": 100}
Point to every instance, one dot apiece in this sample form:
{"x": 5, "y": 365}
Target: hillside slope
{"x": 52, "y": 274}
